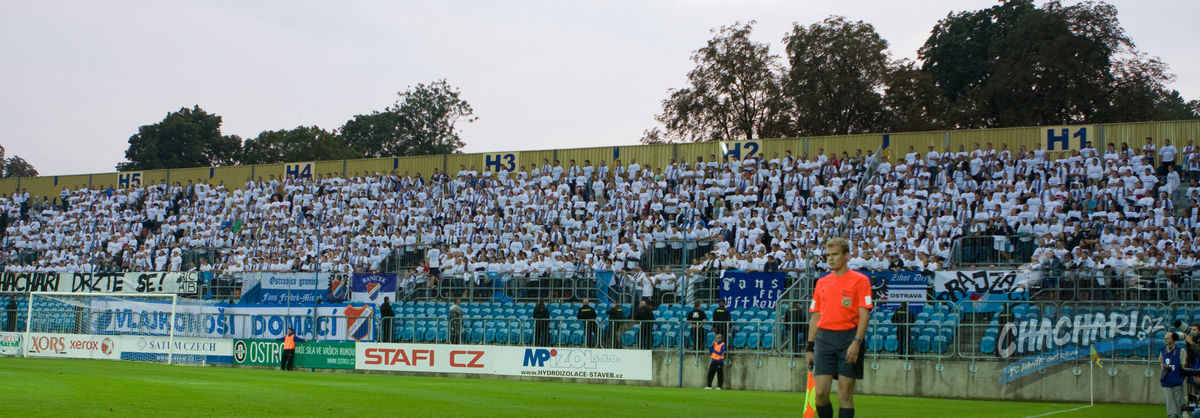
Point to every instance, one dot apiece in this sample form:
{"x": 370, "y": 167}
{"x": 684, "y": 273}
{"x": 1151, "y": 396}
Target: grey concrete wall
{"x": 923, "y": 379}
{"x": 1124, "y": 383}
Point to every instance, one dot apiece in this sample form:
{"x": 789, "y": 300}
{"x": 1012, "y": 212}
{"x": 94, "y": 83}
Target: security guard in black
{"x": 616, "y": 314}
{"x": 587, "y": 314}
{"x": 696, "y": 319}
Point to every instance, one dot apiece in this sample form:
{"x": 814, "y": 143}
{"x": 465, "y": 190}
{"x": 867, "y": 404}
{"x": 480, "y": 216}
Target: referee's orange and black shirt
{"x": 837, "y": 299}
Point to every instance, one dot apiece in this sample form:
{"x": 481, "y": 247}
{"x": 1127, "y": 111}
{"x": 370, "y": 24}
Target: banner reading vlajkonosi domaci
{"x": 309, "y": 354}
{"x": 333, "y": 322}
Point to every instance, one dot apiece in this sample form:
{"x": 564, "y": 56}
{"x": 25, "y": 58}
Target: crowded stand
{"x": 1113, "y": 213}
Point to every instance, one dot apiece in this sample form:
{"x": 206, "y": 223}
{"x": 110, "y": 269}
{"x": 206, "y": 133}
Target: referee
{"x": 840, "y": 310}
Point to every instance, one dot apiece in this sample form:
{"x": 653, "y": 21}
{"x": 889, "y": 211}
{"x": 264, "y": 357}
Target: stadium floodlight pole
{"x": 317, "y": 275}
{"x": 683, "y": 274}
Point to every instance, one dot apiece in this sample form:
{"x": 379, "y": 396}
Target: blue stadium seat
{"x": 924, "y": 343}
{"x": 670, "y": 338}
{"x": 987, "y": 345}
{"x": 874, "y": 343}
{"x": 629, "y": 339}
{"x": 657, "y": 339}
{"x": 768, "y": 341}
{"x": 891, "y": 343}
{"x": 576, "y": 337}
{"x": 752, "y": 340}
{"x": 739, "y": 340}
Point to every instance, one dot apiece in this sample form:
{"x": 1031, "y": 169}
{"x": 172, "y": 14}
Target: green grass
{"x": 39, "y": 387}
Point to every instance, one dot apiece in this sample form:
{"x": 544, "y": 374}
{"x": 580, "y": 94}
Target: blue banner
{"x": 372, "y": 288}
{"x": 742, "y": 289}
{"x": 603, "y": 278}
{"x": 891, "y": 288}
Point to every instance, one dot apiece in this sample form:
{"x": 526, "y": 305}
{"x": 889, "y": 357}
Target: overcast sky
{"x": 78, "y": 78}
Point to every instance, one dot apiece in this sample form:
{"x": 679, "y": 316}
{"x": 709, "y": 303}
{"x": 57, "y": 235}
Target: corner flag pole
{"x": 1093, "y": 361}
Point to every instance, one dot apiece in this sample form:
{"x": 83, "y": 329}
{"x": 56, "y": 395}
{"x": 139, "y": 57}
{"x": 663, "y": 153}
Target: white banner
{"x": 962, "y": 284}
{"x": 566, "y": 363}
{"x": 333, "y": 322}
{"x": 435, "y": 358}
{"x": 116, "y": 347}
{"x": 575, "y": 363}
{"x": 72, "y": 346}
{"x": 182, "y": 345}
{"x": 10, "y": 343}
{"x": 133, "y": 283}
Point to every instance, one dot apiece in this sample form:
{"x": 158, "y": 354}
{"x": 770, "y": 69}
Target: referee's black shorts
{"x": 829, "y": 357}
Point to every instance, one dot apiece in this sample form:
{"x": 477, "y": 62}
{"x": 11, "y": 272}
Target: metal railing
{"x": 996, "y": 251}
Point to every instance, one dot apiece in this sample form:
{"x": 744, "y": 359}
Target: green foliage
{"x": 421, "y": 122}
{"x": 185, "y": 138}
{"x": 303, "y": 143}
{"x": 15, "y": 166}
{"x": 18, "y": 167}
{"x": 1015, "y": 64}
{"x": 734, "y": 93}
{"x": 912, "y": 101}
{"x": 836, "y": 81}
{"x": 1012, "y": 64}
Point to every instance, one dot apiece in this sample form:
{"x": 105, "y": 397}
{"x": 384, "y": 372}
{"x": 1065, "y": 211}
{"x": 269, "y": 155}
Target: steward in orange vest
{"x": 717, "y": 366}
{"x": 288, "y": 358}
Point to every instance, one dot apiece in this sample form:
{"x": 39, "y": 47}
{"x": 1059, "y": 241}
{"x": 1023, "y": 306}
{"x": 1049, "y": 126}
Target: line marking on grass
{"x": 1059, "y": 412}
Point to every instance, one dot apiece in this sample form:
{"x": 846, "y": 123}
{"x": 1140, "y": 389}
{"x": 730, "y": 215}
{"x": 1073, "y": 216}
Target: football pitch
{"x": 45, "y": 387}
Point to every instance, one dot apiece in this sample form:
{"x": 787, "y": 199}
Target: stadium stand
{"x": 1110, "y": 224}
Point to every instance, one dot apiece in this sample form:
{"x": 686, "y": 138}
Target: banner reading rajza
{"x": 309, "y": 354}
{"x": 742, "y": 289}
{"x": 372, "y": 288}
{"x": 333, "y": 322}
{"x": 982, "y": 286}
{"x": 187, "y": 283}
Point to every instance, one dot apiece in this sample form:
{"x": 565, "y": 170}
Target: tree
{"x": 185, "y": 138}
{"x": 15, "y": 166}
{"x": 304, "y": 143}
{"x": 1015, "y": 64}
{"x": 18, "y": 167}
{"x": 734, "y": 93}
{"x": 837, "y": 76}
{"x": 912, "y": 102}
{"x": 421, "y": 122}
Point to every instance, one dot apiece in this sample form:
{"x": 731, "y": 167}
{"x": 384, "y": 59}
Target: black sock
{"x": 825, "y": 411}
{"x": 845, "y": 412}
